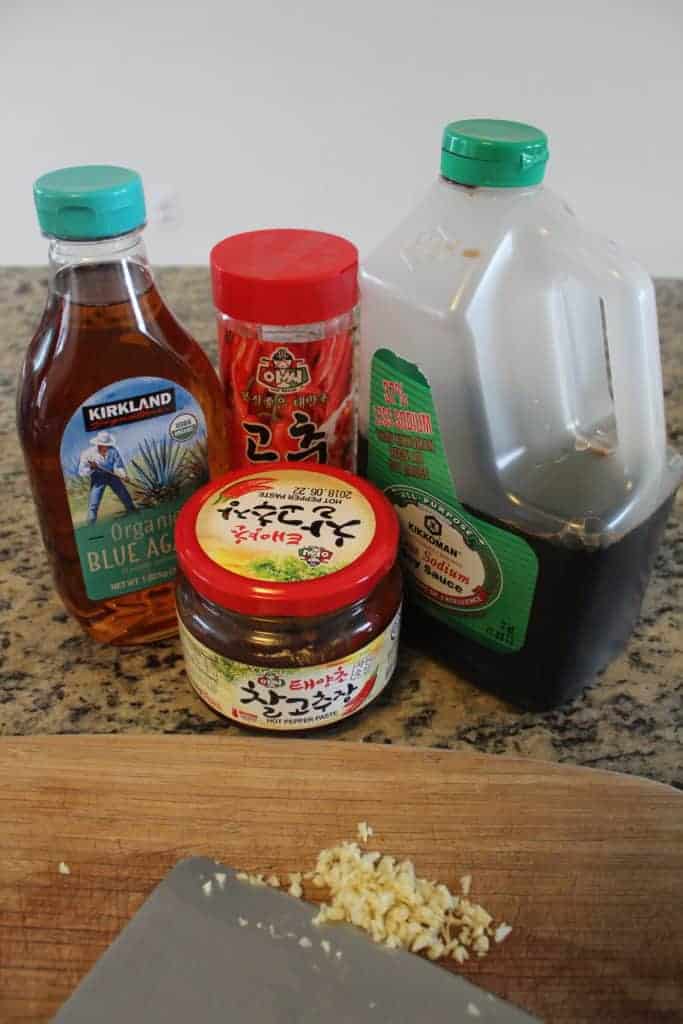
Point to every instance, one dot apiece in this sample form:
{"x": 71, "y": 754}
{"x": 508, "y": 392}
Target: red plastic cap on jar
{"x": 287, "y": 541}
{"x": 284, "y": 276}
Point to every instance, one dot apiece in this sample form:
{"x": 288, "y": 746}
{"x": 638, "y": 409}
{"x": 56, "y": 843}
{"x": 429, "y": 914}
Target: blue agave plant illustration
{"x": 162, "y": 470}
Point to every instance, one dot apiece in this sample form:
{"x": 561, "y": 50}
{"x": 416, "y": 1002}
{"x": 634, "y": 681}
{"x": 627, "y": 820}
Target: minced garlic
{"x": 295, "y": 885}
{"x": 394, "y": 906}
{"x": 364, "y": 831}
{"x": 387, "y": 899}
{"x": 244, "y": 876}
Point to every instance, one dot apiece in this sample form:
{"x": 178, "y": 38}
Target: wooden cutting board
{"x": 587, "y": 866}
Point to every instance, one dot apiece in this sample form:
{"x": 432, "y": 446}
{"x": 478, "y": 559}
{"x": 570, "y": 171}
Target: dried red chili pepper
{"x": 287, "y": 325}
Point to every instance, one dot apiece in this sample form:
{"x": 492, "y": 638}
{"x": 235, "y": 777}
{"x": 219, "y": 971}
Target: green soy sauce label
{"x": 474, "y": 576}
{"x": 131, "y": 455}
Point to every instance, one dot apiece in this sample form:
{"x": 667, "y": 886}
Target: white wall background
{"x": 328, "y": 114}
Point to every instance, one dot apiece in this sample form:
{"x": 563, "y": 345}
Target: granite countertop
{"x": 54, "y": 679}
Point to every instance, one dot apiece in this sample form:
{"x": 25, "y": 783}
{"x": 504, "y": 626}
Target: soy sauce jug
{"x": 511, "y": 401}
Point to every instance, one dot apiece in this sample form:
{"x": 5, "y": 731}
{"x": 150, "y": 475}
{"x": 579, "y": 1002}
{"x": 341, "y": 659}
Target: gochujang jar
{"x": 289, "y": 595}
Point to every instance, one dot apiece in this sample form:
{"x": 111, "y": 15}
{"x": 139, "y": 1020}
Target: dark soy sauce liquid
{"x": 586, "y": 604}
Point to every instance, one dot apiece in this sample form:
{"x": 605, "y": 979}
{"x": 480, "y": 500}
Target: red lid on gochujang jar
{"x": 287, "y": 541}
{"x": 284, "y": 276}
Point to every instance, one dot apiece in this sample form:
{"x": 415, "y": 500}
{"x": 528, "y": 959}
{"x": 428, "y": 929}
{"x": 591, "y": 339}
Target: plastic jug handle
{"x": 632, "y": 342}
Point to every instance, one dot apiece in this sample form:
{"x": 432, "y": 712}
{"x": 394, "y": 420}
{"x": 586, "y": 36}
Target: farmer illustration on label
{"x": 102, "y": 463}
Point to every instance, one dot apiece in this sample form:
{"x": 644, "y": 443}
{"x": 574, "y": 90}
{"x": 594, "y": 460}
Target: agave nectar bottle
{"x": 119, "y": 410}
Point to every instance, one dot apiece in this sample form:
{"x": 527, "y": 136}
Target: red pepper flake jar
{"x": 288, "y": 595}
{"x": 287, "y": 306}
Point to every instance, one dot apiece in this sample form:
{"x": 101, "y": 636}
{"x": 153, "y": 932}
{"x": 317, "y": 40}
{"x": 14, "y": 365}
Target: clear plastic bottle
{"x": 287, "y": 316}
{"x": 511, "y": 394}
{"x": 119, "y": 410}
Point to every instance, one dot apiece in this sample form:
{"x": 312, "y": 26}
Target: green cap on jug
{"x": 91, "y": 202}
{"x": 499, "y": 154}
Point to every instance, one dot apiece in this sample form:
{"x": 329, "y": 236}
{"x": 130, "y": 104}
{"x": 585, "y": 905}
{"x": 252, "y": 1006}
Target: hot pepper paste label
{"x": 475, "y": 577}
{"x": 290, "y": 396}
{"x": 304, "y": 697}
{"x": 289, "y": 526}
{"x": 131, "y": 455}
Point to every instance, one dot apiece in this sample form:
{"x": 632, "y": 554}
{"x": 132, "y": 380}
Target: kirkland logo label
{"x": 142, "y": 407}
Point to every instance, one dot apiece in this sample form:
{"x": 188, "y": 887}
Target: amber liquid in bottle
{"x": 104, "y": 322}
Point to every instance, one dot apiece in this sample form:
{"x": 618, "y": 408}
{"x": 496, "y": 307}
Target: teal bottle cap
{"x": 91, "y": 202}
{"x": 499, "y": 154}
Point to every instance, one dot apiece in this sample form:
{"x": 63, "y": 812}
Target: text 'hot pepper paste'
{"x": 287, "y": 308}
{"x": 289, "y": 595}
